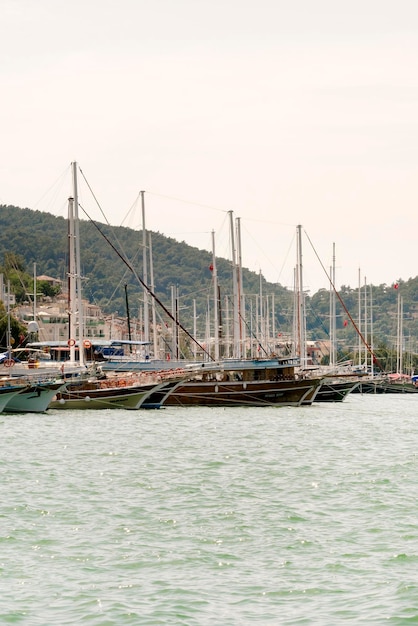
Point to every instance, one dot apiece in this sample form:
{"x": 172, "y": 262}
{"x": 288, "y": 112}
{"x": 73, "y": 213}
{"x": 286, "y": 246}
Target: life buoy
{"x": 71, "y": 343}
{"x": 87, "y": 343}
{"x": 9, "y": 363}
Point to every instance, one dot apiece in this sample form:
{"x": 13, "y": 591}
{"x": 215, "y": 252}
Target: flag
{"x": 345, "y": 323}
{"x": 211, "y": 267}
{"x": 396, "y": 286}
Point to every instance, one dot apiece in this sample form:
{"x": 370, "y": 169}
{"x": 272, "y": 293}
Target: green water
{"x": 211, "y": 516}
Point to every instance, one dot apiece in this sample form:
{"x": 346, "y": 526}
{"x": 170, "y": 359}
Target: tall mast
{"x": 194, "y": 329}
{"x": 215, "y": 300}
{"x": 72, "y": 323}
{"x": 235, "y": 334}
{"x": 332, "y": 313}
{"x": 371, "y": 331}
{"x": 227, "y": 323}
{"x": 301, "y": 301}
{"x": 399, "y": 338}
{"x": 34, "y": 292}
{"x": 9, "y": 328}
{"x": 366, "y": 352}
{"x": 240, "y": 292}
{"x": 154, "y": 315}
{"x": 78, "y": 267}
{"x": 360, "y": 344}
{"x": 260, "y": 328}
{"x": 145, "y": 272}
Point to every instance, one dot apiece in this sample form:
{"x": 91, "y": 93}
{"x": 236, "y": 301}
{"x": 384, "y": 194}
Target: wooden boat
{"x": 269, "y": 382}
{"x": 335, "y": 390}
{"x": 115, "y": 392}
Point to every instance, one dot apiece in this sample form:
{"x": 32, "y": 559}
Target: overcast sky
{"x": 286, "y": 113}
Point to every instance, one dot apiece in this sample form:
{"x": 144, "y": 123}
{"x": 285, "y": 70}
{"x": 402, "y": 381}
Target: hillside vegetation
{"x": 28, "y": 237}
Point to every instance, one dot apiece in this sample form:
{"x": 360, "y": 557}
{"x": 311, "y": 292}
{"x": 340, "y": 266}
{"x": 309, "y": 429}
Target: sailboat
{"x": 244, "y": 382}
{"x": 98, "y": 390}
{"x": 336, "y": 381}
{"x": 240, "y": 381}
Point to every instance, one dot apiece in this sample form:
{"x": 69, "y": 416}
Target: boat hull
{"x": 335, "y": 391}
{"x": 34, "y": 399}
{"x": 7, "y": 393}
{"x": 129, "y": 398}
{"x": 247, "y": 393}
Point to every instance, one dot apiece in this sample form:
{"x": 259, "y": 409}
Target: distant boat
{"x": 335, "y": 390}
{"x": 390, "y": 383}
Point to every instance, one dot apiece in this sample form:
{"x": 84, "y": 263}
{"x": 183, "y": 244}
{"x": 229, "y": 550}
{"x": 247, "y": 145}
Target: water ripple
{"x": 211, "y": 516}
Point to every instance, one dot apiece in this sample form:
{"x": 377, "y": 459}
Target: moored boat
{"x": 335, "y": 390}
{"x": 269, "y": 382}
{"x": 9, "y": 388}
{"x": 116, "y": 392}
{"x": 34, "y": 397}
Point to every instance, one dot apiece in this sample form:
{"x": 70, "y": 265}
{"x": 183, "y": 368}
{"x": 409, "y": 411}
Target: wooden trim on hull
{"x": 250, "y": 393}
{"x": 335, "y": 392}
{"x": 112, "y": 398}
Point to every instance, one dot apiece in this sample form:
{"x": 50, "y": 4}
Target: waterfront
{"x": 204, "y": 516}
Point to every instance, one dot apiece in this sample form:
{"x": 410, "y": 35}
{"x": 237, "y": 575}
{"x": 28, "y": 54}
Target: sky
{"x": 286, "y": 113}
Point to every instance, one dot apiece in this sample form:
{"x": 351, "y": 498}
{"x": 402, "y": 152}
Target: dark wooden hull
{"x": 237, "y": 393}
{"x": 335, "y": 391}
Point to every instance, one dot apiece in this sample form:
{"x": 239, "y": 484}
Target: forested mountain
{"x": 28, "y": 237}
{"x": 41, "y": 238}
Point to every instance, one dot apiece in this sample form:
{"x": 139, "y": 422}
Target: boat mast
{"x": 332, "y": 313}
{"x": 260, "y": 327}
{"x": 71, "y": 281}
{"x": 399, "y": 339}
{"x": 215, "y": 300}
{"x": 360, "y": 344}
{"x": 371, "y": 331}
{"x": 154, "y": 314}
{"x": 240, "y": 294}
{"x": 227, "y": 337}
{"x": 366, "y": 351}
{"x": 194, "y": 329}
{"x": 301, "y": 301}
{"x": 145, "y": 273}
{"x": 128, "y": 316}
{"x": 235, "y": 334}
{"x": 78, "y": 267}
{"x": 34, "y": 292}
{"x": 9, "y": 328}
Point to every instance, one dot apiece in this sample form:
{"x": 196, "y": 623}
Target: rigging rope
{"x": 145, "y": 286}
{"x": 360, "y": 334}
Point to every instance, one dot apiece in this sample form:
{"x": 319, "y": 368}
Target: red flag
{"x": 345, "y": 323}
{"x": 211, "y": 267}
{"x": 396, "y": 286}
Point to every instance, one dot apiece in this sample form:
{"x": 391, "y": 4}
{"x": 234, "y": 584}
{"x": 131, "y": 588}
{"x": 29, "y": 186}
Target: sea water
{"x": 205, "y": 517}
